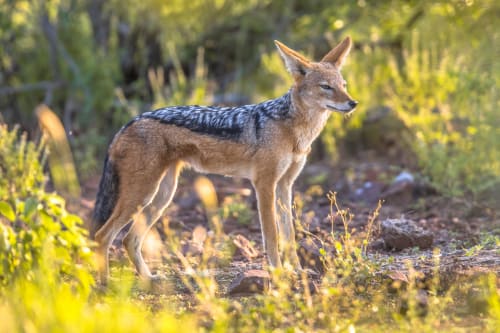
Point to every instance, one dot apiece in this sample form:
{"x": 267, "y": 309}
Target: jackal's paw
{"x": 292, "y": 266}
{"x": 102, "y": 284}
{"x": 310, "y": 273}
{"x": 158, "y": 277}
{"x": 153, "y": 278}
{"x": 155, "y": 283}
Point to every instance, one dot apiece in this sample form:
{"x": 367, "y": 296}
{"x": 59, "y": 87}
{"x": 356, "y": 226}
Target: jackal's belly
{"x": 224, "y": 168}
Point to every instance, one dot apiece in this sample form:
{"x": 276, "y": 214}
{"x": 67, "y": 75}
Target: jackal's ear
{"x": 338, "y": 54}
{"x": 297, "y": 64}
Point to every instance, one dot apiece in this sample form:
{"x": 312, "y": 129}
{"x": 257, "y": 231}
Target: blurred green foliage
{"x": 37, "y": 234}
{"x": 101, "y": 62}
{"x": 21, "y": 171}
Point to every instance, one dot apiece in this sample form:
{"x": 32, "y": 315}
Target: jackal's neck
{"x": 307, "y": 121}
{"x": 305, "y": 112}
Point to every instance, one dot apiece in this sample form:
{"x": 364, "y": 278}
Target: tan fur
{"x": 149, "y": 156}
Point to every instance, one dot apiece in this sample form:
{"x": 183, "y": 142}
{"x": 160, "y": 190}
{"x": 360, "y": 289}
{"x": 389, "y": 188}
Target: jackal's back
{"x": 222, "y": 122}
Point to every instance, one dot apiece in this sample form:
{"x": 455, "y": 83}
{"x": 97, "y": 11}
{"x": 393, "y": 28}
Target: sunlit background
{"x": 96, "y": 63}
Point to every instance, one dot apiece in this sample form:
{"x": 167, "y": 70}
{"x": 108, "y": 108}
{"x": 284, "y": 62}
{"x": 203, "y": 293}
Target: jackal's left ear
{"x": 338, "y": 54}
{"x": 297, "y": 64}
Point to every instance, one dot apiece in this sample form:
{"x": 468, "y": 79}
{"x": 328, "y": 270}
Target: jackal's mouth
{"x": 340, "y": 109}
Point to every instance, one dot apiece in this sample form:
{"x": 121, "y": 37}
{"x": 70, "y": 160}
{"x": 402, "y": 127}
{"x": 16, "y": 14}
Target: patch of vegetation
{"x": 38, "y": 235}
{"x": 235, "y": 208}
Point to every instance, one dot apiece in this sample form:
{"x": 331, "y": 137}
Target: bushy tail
{"x": 106, "y": 197}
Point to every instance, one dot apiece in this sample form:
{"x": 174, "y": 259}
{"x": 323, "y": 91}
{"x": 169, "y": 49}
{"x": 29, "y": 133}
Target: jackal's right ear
{"x": 297, "y": 64}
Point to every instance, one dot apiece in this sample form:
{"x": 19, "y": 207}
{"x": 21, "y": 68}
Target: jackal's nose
{"x": 353, "y": 104}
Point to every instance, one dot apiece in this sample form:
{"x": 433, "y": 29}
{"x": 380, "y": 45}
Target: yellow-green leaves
{"x": 7, "y": 211}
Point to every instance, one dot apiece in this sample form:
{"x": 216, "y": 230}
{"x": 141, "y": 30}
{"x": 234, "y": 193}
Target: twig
{"x": 56, "y": 46}
{"x": 42, "y": 85}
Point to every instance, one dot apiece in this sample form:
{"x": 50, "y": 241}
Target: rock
{"x": 376, "y": 245}
{"x": 245, "y": 248}
{"x": 400, "y": 191}
{"x": 399, "y": 234}
{"x": 188, "y": 202}
{"x": 310, "y": 255}
{"x": 194, "y": 247}
{"x": 370, "y": 192}
{"x": 420, "y": 302}
{"x": 398, "y": 194}
{"x": 404, "y": 176}
{"x": 312, "y": 283}
{"x": 397, "y": 281}
{"x": 250, "y": 282}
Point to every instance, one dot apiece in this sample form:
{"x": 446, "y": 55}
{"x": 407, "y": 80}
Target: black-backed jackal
{"x": 267, "y": 143}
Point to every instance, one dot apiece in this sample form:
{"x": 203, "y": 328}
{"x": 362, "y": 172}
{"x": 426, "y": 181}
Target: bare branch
{"x": 57, "y": 49}
{"x": 42, "y": 85}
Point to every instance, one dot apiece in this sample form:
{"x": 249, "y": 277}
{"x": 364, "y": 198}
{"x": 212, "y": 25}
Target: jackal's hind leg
{"x": 144, "y": 220}
{"x": 133, "y": 194}
{"x": 104, "y": 238}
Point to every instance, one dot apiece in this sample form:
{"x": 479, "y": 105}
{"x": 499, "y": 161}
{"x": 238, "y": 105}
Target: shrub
{"x": 451, "y": 113}
{"x": 37, "y": 233}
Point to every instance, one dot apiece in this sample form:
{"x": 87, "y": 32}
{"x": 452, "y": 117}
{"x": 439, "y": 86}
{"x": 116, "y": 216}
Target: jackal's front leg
{"x": 286, "y": 227}
{"x": 285, "y": 217}
{"x": 266, "y": 198}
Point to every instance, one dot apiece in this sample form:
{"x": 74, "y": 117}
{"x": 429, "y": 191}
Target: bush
{"x": 451, "y": 113}
{"x": 37, "y": 233}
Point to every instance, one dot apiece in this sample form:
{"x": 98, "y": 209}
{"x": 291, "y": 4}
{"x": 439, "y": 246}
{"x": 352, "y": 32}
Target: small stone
{"x": 194, "y": 247}
{"x": 245, "y": 248}
{"x": 399, "y": 234}
{"x": 376, "y": 245}
{"x": 310, "y": 254}
{"x": 404, "y": 176}
{"x": 401, "y": 190}
{"x": 188, "y": 202}
{"x": 370, "y": 192}
{"x": 420, "y": 301}
{"x": 250, "y": 282}
{"x": 191, "y": 248}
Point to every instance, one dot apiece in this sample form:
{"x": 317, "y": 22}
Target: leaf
{"x": 71, "y": 221}
{"x": 338, "y": 246}
{"x": 30, "y": 207}
{"x": 54, "y": 200}
{"x": 7, "y": 211}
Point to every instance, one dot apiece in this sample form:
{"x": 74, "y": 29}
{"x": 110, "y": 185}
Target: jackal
{"x": 266, "y": 143}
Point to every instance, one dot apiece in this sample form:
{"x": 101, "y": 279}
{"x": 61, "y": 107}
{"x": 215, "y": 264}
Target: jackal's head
{"x": 319, "y": 84}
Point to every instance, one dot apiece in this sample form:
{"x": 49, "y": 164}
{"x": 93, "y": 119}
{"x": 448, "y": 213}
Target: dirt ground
{"x": 465, "y": 232}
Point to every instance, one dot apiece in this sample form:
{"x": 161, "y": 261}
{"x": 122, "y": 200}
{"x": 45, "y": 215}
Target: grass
{"x": 354, "y": 295}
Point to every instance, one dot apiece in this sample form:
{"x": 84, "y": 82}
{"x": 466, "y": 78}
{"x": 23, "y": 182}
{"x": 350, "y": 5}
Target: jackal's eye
{"x": 325, "y": 87}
